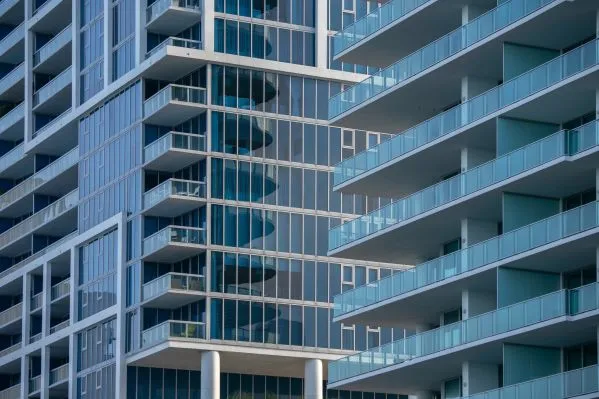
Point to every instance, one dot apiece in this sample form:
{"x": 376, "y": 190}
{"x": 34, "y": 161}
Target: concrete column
{"x": 73, "y": 318}
{"x": 210, "y": 375}
{"x": 28, "y": 99}
{"x": 46, "y": 298}
{"x": 107, "y": 42}
{"x": 140, "y": 32}
{"x": 313, "y": 379}
{"x": 121, "y": 296}
{"x": 208, "y": 25}
{"x": 45, "y": 373}
{"x": 479, "y": 377}
{"x": 75, "y": 54}
{"x": 322, "y": 34}
{"x": 26, "y": 316}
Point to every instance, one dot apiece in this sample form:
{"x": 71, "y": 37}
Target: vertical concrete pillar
{"x": 46, "y": 298}
{"x": 210, "y": 372}
{"x": 75, "y": 54}
{"x": 208, "y": 25}
{"x": 140, "y": 32}
{"x": 107, "y": 42}
{"x": 322, "y": 34}
{"x": 313, "y": 379}
{"x": 28, "y": 99}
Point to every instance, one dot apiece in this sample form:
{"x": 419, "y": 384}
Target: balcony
{"x": 36, "y": 302}
{"x": 59, "y": 375}
{"x": 58, "y": 90}
{"x": 57, "y": 219}
{"x": 174, "y": 243}
{"x": 10, "y": 349}
{"x": 173, "y": 330}
{"x": 171, "y": 60}
{"x": 174, "y": 151}
{"x": 558, "y": 156}
{"x": 11, "y": 12}
{"x": 400, "y": 294}
{"x": 174, "y": 197}
{"x": 14, "y": 392}
{"x": 12, "y": 46}
{"x": 482, "y": 333}
{"x": 59, "y": 326}
{"x": 535, "y": 95}
{"x": 174, "y": 104}
{"x": 60, "y": 290}
{"x": 55, "y": 55}
{"x": 12, "y": 157}
{"x": 35, "y": 384}
{"x": 49, "y": 17}
{"x": 169, "y": 17}
{"x": 10, "y": 318}
{"x": 12, "y": 123}
{"x": 12, "y": 85}
{"x": 54, "y": 172}
{"x": 173, "y": 290}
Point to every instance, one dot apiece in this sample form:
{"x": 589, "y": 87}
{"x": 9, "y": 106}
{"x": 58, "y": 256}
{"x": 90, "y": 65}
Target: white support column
{"x": 322, "y": 34}
{"x": 121, "y": 295}
{"x": 75, "y": 54}
{"x": 141, "y": 36}
{"x": 45, "y": 373}
{"x": 107, "y": 42}
{"x": 46, "y": 298}
{"x": 26, "y": 316}
{"x": 208, "y": 25}
{"x": 28, "y": 99}
{"x": 210, "y": 375}
{"x": 313, "y": 379}
{"x": 73, "y": 317}
{"x": 25, "y": 376}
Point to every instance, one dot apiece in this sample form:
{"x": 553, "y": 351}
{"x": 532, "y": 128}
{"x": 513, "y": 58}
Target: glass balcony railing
{"x": 6, "y": 5}
{"x": 11, "y": 314}
{"x": 176, "y": 141}
{"x": 11, "y": 78}
{"x": 174, "y": 235}
{"x": 509, "y": 318}
{"x": 13, "y": 392}
{"x": 35, "y": 384}
{"x": 173, "y": 281}
{"x": 51, "y": 123}
{"x": 29, "y": 185}
{"x": 496, "y": 99}
{"x": 36, "y": 301}
{"x": 454, "y": 42}
{"x": 10, "y": 349}
{"x": 40, "y": 218}
{"x": 59, "y": 374}
{"x": 173, "y": 329}
{"x": 50, "y": 48}
{"x": 12, "y": 117}
{"x": 11, "y": 157}
{"x": 560, "y": 144}
{"x": 572, "y": 383}
{"x": 172, "y": 92}
{"x": 176, "y": 42}
{"x": 15, "y": 36}
{"x": 158, "y": 7}
{"x": 51, "y": 88}
{"x": 61, "y": 289}
{"x": 183, "y": 188}
{"x": 59, "y": 326}
{"x": 471, "y": 258}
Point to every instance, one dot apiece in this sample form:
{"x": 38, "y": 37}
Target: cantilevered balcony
{"x": 11, "y": 11}
{"x": 10, "y": 317}
{"x": 58, "y": 376}
{"x": 174, "y": 197}
{"x": 55, "y": 96}
{"x": 542, "y": 316}
{"x": 12, "y": 157}
{"x": 174, "y": 243}
{"x": 14, "y": 392}
{"x": 174, "y": 151}
{"x": 57, "y": 219}
{"x": 385, "y": 101}
{"x": 60, "y": 172}
{"x": 537, "y": 94}
{"x": 55, "y": 55}
{"x": 12, "y": 84}
{"x": 477, "y": 192}
{"x": 50, "y": 16}
{"x": 60, "y": 290}
{"x": 173, "y": 290}
{"x": 173, "y": 330}
{"x": 174, "y": 104}
{"x": 169, "y": 17}
{"x": 12, "y": 123}
{"x": 12, "y": 46}
{"x": 548, "y": 245}
{"x": 171, "y": 59}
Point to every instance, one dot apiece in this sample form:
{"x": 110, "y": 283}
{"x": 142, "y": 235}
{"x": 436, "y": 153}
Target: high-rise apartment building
{"x": 496, "y": 166}
{"x": 166, "y": 176}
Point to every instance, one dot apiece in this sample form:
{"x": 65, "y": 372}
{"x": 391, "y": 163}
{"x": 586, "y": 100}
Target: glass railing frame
{"x": 170, "y": 188}
{"x": 172, "y": 140}
{"x": 175, "y": 42}
{"x": 60, "y": 289}
{"x": 159, "y": 7}
{"x": 162, "y": 238}
{"x": 163, "y": 332}
{"x": 13, "y": 35}
{"x": 11, "y": 78}
{"x": 12, "y": 392}
{"x": 162, "y": 284}
{"x": 58, "y": 374}
{"x": 11, "y": 314}
{"x": 12, "y": 116}
{"x": 60, "y": 326}
{"x": 58, "y": 83}
{"x": 165, "y": 96}
{"x": 59, "y": 40}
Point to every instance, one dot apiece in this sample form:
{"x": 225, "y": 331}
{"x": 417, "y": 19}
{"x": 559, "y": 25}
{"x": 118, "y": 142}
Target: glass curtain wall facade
{"x": 166, "y": 192}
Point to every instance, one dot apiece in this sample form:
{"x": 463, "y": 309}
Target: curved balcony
{"x": 477, "y": 330}
{"x": 174, "y": 151}
{"x": 174, "y": 197}
{"x": 169, "y": 17}
{"x": 558, "y": 146}
{"x": 55, "y": 96}
{"x": 247, "y": 80}
{"x": 174, "y": 243}
{"x": 12, "y": 84}
{"x": 55, "y": 55}
{"x": 240, "y": 272}
{"x": 173, "y": 290}
{"x": 495, "y": 102}
{"x": 12, "y": 123}
{"x": 173, "y": 330}
{"x": 12, "y": 46}
{"x": 174, "y": 104}
{"x": 522, "y": 241}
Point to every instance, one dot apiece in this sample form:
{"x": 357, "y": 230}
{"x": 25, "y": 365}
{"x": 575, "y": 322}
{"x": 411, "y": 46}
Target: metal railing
{"x": 13, "y": 392}
{"x": 173, "y": 281}
{"x": 56, "y": 43}
{"x": 174, "y": 140}
{"x": 35, "y": 338}
{"x": 48, "y": 90}
{"x": 11, "y": 157}
{"x": 12, "y": 77}
{"x": 173, "y": 92}
{"x": 176, "y": 42}
{"x": 12, "y": 117}
{"x": 10, "y": 349}
{"x": 51, "y": 123}
{"x": 37, "y": 301}
{"x": 38, "y": 219}
{"x": 158, "y": 7}
{"x": 61, "y": 289}
{"x": 59, "y": 326}
{"x": 59, "y": 374}
{"x": 176, "y": 235}
{"x": 173, "y": 329}
{"x": 179, "y": 187}
{"x": 11, "y": 314}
